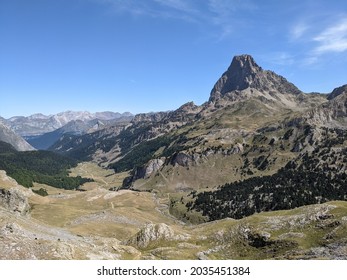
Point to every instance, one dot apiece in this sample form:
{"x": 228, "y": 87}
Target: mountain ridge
{"x": 38, "y": 124}
{"x": 9, "y": 136}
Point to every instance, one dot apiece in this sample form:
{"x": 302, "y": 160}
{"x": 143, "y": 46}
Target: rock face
{"x": 337, "y": 91}
{"x": 332, "y": 113}
{"x": 244, "y": 73}
{"x": 15, "y": 201}
{"x": 151, "y": 233}
{"x": 9, "y": 136}
{"x": 149, "y": 117}
{"x": 184, "y": 159}
{"x": 147, "y": 170}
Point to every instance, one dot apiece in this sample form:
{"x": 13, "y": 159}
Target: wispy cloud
{"x": 179, "y": 5}
{"x": 298, "y": 30}
{"x": 332, "y": 39}
{"x": 152, "y": 8}
{"x": 219, "y": 14}
{"x": 222, "y": 13}
{"x": 319, "y": 38}
{"x": 133, "y": 7}
{"x": 282, "y": 58}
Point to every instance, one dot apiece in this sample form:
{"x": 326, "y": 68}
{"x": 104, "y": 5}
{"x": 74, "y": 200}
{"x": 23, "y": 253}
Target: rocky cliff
{"x": 9, "y": 136}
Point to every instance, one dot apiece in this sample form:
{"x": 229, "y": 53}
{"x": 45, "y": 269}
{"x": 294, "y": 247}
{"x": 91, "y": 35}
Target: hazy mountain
{"x": 39, "y": 124}
{"x": 99, "y": 145}
{"x": 73, "y": 128}
{"x": 9, "y": 136}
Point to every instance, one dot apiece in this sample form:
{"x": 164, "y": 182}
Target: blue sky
{"x": 155, "y": 55}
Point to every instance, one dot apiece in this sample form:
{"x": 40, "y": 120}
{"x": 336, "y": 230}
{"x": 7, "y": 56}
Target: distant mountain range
{"x": 42, "y": 131}
{"x": 39, "y": 124}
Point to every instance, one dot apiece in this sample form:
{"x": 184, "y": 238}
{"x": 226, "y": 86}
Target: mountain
{"x": 9, "y": 136}
{"x": 337, "y": 91}
{"x": 99, "y": 145}
{"x": 73, "y": 128}
{"x": 243, "y": 73}
{"x": 244, "y": 93}
{"x": 245, "y": 80}
{"x": 255, "y": 125}
{"x": 39, "y": 124}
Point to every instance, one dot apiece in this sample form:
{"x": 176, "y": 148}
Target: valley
{"x": 102, "y": 224}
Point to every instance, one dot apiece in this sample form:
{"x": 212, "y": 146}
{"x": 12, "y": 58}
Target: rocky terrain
{"x": 133, "y": 225}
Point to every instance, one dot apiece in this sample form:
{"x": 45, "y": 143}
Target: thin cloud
{"x": 332, "y": 39}
{"x": 298, "y": 30}
{"x": 310, "y": 60}
{"x": 222, "y": 14}
{"x": 133, "y": 7}
{"x": 179, "y": 5}
{"x": 219, "y": 14}
{"x": 282, "y": 58}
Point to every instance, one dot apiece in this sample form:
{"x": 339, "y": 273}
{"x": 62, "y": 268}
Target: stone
{"x": 151, "y": 233}
{"x": 15, "y": 201}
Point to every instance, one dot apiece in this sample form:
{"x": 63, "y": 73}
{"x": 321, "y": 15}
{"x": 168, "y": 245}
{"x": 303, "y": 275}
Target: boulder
{"x": 152, "y": 233}
{"x": 14, "y": 200}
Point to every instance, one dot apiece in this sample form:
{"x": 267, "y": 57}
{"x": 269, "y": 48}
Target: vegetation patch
{"x": 310, "y": 179}
{"x": 39, "y": 166}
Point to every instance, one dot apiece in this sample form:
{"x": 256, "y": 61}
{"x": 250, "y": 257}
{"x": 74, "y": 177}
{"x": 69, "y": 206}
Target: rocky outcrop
{"x": 337, "y": 91}
{"x": 152, "y": 233}
{"x": 187, "y": 158}
{"x": 184, "y": 159}
{"x": 149, "y": 117}
{"x": 148, "y": 169}
{"x": 14, "y": 200}
{"x": 332, "y": 113}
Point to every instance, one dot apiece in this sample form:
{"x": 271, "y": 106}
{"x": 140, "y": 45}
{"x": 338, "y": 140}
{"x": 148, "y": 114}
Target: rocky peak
{"x": 242, "y": 68}
{"x": 244, "y": 73}
{"x": 337, "y": 91}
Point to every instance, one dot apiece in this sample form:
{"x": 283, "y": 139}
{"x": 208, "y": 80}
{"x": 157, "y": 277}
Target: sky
{"x": 156, "y": 55}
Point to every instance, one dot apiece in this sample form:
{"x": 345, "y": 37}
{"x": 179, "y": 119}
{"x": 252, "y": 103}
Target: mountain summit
{"x": 244, "y": 73}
